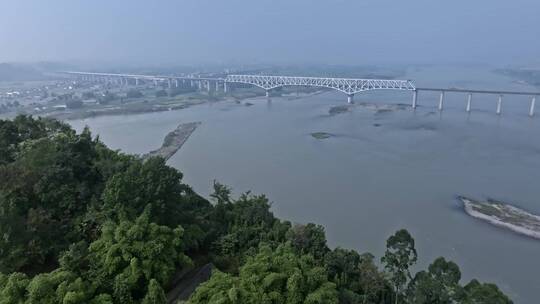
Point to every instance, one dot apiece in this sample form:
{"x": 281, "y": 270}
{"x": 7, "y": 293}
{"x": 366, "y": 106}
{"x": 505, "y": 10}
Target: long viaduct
{"x": 349, "y": 86}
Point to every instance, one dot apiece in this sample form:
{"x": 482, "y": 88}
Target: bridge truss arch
{"x": 348, "y": 86}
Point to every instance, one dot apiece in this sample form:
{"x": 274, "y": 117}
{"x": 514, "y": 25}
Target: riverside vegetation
{"x": 81, "y": 223}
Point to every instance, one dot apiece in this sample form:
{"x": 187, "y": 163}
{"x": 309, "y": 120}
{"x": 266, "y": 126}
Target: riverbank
{"x": 174, "y": 140}
{"x": 163, "y": 105}
{"x": 138, "y": 107}
{"x": 503, "y": 215}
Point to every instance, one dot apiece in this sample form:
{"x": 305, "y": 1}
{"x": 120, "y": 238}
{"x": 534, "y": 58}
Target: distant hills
{"x": 15, "y": 72}
{"x": 29, "y": 72}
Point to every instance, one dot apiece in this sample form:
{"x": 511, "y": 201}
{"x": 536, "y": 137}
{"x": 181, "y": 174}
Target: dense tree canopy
{"x": 399, "y": 256}
{"x": 476, "y": 292}
{"x": 44, "y": 194}
{"x": 309, "y": 239}
{"x": 271, "y": 277}
{"x": 438, "y": 285}
{"x": 81, "y": 223}
{"x": 130, "y": 255}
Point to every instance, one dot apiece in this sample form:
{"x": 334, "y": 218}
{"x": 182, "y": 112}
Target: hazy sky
{"x": 271, "y": 31}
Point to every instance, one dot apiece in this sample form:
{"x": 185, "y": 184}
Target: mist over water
{"x": 383, "y": 170}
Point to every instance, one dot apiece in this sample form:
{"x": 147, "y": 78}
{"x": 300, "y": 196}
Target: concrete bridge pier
{"x": 267, "y": 93}
{"x": 136, "y": 81}
{"x": 169, "y": 83}
{"x": 200, "y": 85}
{"x": 155, "y": 82}
{"x": 499, "y": 105}
{"x": 208, "y": 86}
{"x": 441, "y": 100}
{"x": 350, "y": 98}
{"x": 469, "y": 100}
{"x": 217, "y": 86}
{"x": 531, "y": 110}
{"x": 414, "y": 99}
{"x": 224, "y": 87}
{"x": 176, "y": 83}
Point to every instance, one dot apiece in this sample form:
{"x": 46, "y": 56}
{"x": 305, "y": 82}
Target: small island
{"x": 503, "y": 215}
{"x": 339, "y": 109}
{"x": 321, "y": 135}
{"x": 174, "y": 140}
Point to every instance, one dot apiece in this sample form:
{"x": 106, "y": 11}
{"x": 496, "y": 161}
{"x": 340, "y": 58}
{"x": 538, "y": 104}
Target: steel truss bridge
{"x": 349, "y": 86}
{"x": 346, "y": 85}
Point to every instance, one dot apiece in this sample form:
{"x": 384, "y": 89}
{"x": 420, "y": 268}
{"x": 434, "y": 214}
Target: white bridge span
{"x": 348, "y": 86}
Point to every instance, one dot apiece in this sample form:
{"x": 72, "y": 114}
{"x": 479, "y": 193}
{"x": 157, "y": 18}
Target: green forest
{"x": 81, "y": 223}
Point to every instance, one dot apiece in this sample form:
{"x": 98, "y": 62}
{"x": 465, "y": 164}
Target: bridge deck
{"x": 151, "y": 77}
{"x": 479, "y": 91}
{"x": 346, "y": 85}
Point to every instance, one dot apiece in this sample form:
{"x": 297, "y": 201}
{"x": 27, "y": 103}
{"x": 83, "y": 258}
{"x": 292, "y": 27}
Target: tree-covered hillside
{"x": 81, "y": 223}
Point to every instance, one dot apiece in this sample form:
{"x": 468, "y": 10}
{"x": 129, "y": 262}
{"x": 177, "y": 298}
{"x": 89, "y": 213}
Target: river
{"x": 383, "y": 170}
